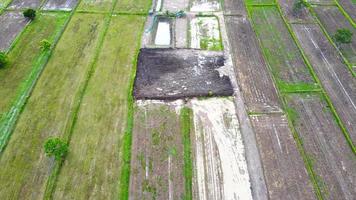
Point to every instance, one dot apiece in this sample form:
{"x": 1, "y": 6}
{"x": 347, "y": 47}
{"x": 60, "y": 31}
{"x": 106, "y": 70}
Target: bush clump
{"x": 56, "y": 147}
{"x": 45, "y": 45}
{"x": 29, "y": 13}
{"x": 3, "y": 59}
{"x": 343, "y": 36}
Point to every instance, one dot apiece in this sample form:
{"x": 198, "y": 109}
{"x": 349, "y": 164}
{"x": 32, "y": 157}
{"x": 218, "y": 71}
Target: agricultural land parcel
{"x": 11, "y": 23}
{"x": 24, "y": 173}
{"x": 60, "y": 4}
{"x": 23, "y": 4}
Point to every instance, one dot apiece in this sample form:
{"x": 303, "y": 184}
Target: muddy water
{"x": 220, "y": 165}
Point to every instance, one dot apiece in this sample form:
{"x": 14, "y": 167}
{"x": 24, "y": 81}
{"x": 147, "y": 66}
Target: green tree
{"x": 298, "y": 6}
{"x": 3, "y": 59}
{"x": 343, "y": 36}
{"x": 29, "y": 13}
{"x": 56, "y": 147}
{"x": 45, "y": 45}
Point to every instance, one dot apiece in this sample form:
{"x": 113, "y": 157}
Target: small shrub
{"x": 56, "y": 147}
{"x": 30, "y": 14}
{"x": 343, "y": 36}
{"x": 3, "y": 59}
{"x": 45, "y": 45}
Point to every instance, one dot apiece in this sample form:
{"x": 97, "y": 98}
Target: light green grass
{"x": 26, "y": 61}
{"x": 25, "y": 168}
{"x": 265, "y": 2}
{"x": 4, "y": 3}
{"x": 95, "y": 5}
{"x": 281, "y": 52}
{"x": 95, "y": 153}
{"x": 133, "y": 6}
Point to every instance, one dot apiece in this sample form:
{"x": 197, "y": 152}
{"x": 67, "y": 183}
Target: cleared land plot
{"x": 24, "y": 166}
{"x": 205, "y": 5}
{"x": 295, "y": 15}
{"x": 133, "y": 6}
{"x": 205, "y": 33}
{"x": 11, "y": 24}
{"x": 322, "y": 2}
{"x": 281, "y": 53}
{"x": 25, "y": 60}
{"x": 95, "y": 5}
{"x": 181, "y": 28}
{"x": 333, "y": 74}
{"x": 60, "y": 4}
{"x": 350, "y": 7}
{"x": 157, "y": 152}
{"x": 332, "y": 19}
{"x": 234, "y": 7}
{"x": 179, "y": 73}
{"x": 174, "y": 5}
{"x": 95, "y": 149}
{"x": 22, "y": 4}
{"x": 220, "y": 169}
{"x": 252, "y": 74}
{"x": 285, "y": 173}
{"x": 333, "y": 161}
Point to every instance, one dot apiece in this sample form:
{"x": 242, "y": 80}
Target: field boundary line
{"x": 297, "y": 139}
{"x": 345, "y": 13}
{"x": 317, "y": 80}
{"x": 8, "y": 122}
{"x": 262, "y": 5}
{"x": 4, "y": 8}
{"x": 346, "y": 62}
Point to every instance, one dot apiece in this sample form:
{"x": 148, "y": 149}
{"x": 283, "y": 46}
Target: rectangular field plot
{"x": 333, "y": 74}
{"x": 95, "y": 156}
{"x": 174, "y": 5}
{"x": 60, "y": 4}
{"x": 157, "y": 152}
{"x": 252, "y": 74}
{"x": 285, "y": 173}
{"x": 220, "y": 169}
{"x": 133, "y": 6}
{"x": 333, "y": 160}
{"x": 24, "y": 166}
{"x": 332, "y": 19}
{"x": 282, "y": 54}
{"x": 205, "y": 5}
{"x": 96, "y": 5}
{"x": 350, "y": 7}
{"x": 23, "y": 4}
{"x": 294, "y": 15}
{"x": 25, "y": 63}
{"x": 205, "y": 33}
{"x": 234, "y": 7}
{"x": 11, "y": 24}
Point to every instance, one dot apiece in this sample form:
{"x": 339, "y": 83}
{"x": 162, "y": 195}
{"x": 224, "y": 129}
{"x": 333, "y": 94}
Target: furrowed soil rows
{"x": 130, "y": 6}
{"x": 350, "y": 7}
{"x": 11, "y": 23}
{"x": 95, "y": 148}
{"x": 157, "y": 152}
{"x": 332, "y": 158}
{"x": 95, "y": 5}
{"x": 281, "y": 52}
{"x": 60, "y": 4}
{"x": 219, "y": 153}
{"x": 22, "y": 4}
{"x": 234, "y": 7}
{"x": 285, "y": 173}
{"x": 332, "y": 19}
{"x": 295, "y": 15}
{"x": 259, "y": 92}
{"x": 333, "y": 74}
{"x": 24, "y": 166}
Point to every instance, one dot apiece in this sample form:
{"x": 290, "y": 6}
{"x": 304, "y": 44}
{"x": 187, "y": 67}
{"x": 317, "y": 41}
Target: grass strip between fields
{"x": 186, "y": 123}
{"x": 345, "y": 13}
{"x": 296, "y": 137}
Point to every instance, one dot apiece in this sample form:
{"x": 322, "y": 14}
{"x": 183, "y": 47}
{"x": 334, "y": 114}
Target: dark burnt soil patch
{"x": 179, "y": 73}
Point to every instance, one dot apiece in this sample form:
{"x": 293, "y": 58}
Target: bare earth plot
{"x": 234, "y": 7}
{"x": 332, "y": 19}
{"x": 301, "y": 15}
{"x": 220, "y": 169}
{"x": 350, "y": 7}
{"x": 95, "y": 5}
{"x": 281, "y": 53}
{"x": 322, "y": 2}
{"x": 332, "y": 158}
{"x": 157, "y": 152}
{"x": 285, "y": 173}
{"x": 252, "y": 74}
{"x": 60, "y": 4}
{"x": 133, "y": 6}
{"x": 11, "y": 24}
{"x": 91, "y": 169}
{"x": 24, "y": 166}
{"x": 22, "y": 4}
{"x": 205, "y": 5}
{"x": 205, "y": 34}
{"x": 333, "y": 74}
{"x": 174, "y": 5}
